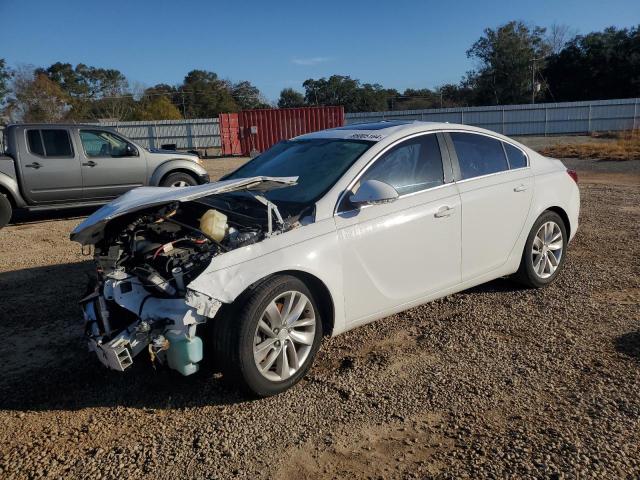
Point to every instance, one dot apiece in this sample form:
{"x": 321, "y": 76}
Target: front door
{"x": 396, "y": 253}
{"x": 50, "y": 166}
{"x": 111, "y": 166}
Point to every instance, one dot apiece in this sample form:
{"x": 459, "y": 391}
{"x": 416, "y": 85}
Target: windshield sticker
{"x": 366, "y": 136}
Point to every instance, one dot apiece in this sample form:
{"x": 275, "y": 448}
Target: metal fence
{"x": 538, "y": 119}
{"x": 184, "y": 134}
{"x": 514, "y": 120}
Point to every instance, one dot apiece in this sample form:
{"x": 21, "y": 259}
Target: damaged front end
{"x": 148, "y": 246}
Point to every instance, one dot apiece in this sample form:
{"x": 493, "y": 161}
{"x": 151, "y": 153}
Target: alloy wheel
{"x": 284, "y": 336}
{"x": 547, "y": 249}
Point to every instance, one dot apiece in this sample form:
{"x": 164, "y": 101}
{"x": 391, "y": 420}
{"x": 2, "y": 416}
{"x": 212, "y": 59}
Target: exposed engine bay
{"x": 146, "y": 259}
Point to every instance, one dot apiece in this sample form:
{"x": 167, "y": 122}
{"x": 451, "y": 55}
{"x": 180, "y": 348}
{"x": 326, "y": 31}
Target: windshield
{"x": 318, "y": 164}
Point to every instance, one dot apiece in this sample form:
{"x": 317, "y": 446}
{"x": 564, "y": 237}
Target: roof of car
{"x": 390, "y": 130}
{"x": 375, "y": 131}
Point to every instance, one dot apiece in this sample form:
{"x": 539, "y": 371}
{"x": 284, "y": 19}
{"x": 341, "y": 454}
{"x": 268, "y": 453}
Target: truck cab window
{"x": 98, "y": 143}
{"x": 50, "y": 143}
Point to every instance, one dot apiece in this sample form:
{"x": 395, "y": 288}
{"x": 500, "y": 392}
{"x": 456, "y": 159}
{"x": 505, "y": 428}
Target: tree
{"x": 599, "y": 65}
{"x": 506, "y": 57}
{"x": 289, "y": 98}
{"x": 93, "y": 92}
{"x": 5, "y": 78}
{"x": 348, "y": 92}
{"x": 157, "y": 107}
{"x": 248, "y": 96}
{"x": 559, "y": 36}
{"x": 37, "y": 98}
{"x": 205, "y": 95}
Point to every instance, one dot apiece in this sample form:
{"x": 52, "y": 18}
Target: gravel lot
{"x": 497, "y": 381}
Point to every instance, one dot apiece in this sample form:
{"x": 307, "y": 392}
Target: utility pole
{"x": 533, "y": 80}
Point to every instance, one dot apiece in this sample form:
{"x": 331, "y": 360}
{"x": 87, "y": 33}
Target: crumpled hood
{"x": 90, "y": 231}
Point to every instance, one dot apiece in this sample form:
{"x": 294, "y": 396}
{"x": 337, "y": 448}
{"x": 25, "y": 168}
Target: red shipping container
{"x": 260, "y": 129}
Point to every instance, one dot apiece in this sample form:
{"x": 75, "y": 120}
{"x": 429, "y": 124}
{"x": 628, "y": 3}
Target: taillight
{"x": 573, "y": 174}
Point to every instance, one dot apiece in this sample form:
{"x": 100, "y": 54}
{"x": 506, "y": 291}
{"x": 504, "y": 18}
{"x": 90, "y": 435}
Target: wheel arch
{"x": 7, "y": 193}
{"x": 320, "y": 291}
{"x": 175, "y": 165}
{"x": 563, "y": 215}
{"x": 191, "y": 173}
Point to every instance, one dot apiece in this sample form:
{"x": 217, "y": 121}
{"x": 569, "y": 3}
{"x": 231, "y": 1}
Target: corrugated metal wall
{"x": 538, "y": 119}
{"x": 185, "y": 134}
{"x": 514, "y": 120}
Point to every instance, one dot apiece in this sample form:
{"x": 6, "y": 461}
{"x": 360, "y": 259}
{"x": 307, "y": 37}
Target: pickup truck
{"x": 47, "y": 167}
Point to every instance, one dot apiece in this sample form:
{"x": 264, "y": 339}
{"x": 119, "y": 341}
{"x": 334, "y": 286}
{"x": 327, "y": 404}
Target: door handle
{"x": 90, "y": 163}
{"x": 35, "y": 165}
{"x": 520, "y": 188}
{"x": 444, "y": 211}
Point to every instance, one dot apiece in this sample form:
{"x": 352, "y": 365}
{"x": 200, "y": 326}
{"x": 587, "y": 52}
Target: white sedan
{"x": 316, "y": 236}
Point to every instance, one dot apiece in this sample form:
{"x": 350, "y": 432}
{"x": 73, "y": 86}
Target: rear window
{"x": 517, "y": 158}
{"x": 478, "y": 155}
{"x": 50, "y": 143}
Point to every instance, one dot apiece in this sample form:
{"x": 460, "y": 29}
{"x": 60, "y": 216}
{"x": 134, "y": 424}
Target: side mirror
{"x": 372, "y": 192}
{"x": 131, "y": 151}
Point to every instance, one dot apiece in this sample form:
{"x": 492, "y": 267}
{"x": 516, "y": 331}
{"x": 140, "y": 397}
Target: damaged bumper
{"x": 122, "y": 319}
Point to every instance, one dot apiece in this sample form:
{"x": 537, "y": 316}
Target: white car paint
{"x": 386, "y": 258}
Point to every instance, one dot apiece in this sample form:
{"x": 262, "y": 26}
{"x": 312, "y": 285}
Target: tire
{"x": 179, "y": 179}
{"x": 539, "y": 270}
{"x": 5, "y": 210}
{"x": 236, "y": 337}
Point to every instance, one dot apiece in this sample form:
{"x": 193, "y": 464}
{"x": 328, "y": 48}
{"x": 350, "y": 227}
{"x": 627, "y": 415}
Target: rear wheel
{"x": 268, "y": 344}
{"x": 5, "y": 210}
{"x": 179, "y": 179}
{"x": 545, "y": 251}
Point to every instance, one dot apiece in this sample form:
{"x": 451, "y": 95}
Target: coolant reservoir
{"x": 214, "y": 224}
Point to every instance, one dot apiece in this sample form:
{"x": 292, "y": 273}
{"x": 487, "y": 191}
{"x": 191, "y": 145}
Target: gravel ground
{"x": 497, "y": 381}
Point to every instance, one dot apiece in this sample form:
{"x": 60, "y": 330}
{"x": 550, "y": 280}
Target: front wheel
{"x": 179, "y": 179}
{"x": 268, "y": 344}
{"x": 545, "y": 251}
{"x": 5, "y": 210}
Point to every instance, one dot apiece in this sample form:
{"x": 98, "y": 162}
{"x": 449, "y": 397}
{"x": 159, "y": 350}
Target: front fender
{"x": 312, "y": 249}
{"x": 177, "y": 164}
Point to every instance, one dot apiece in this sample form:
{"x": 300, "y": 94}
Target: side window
{"x": 478, "y": 155}
{"x": 98, "y": 143}
{"x": 517, "y": 158}
{"x": 35, "y": 142}
{"x": 50, "y": 143}
{"x": 412, "y": 166}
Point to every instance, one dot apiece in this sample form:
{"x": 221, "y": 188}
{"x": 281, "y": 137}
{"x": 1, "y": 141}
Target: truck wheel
{"x": 267, "y": 343}
{"x": 179, "y": 179}
{"x": 5, "y": 210}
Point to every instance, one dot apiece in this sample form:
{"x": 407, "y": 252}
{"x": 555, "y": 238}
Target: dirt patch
{"x": 373, "y": 451}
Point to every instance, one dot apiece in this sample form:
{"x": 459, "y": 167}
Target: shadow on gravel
{"x": 499, "y": 285}
{"x": 46, "y": 365}
{"x": 629, "y": 345}
{"x": 24, "y": 217}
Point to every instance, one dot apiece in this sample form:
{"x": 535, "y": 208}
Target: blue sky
{"x": 277, "y": 44}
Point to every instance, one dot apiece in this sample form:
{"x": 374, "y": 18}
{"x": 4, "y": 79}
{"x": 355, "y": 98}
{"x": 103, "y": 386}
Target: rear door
{"x": 111, "y": 166}
{"x": 495, "y": 199}
{"x": 49, "y": 166}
